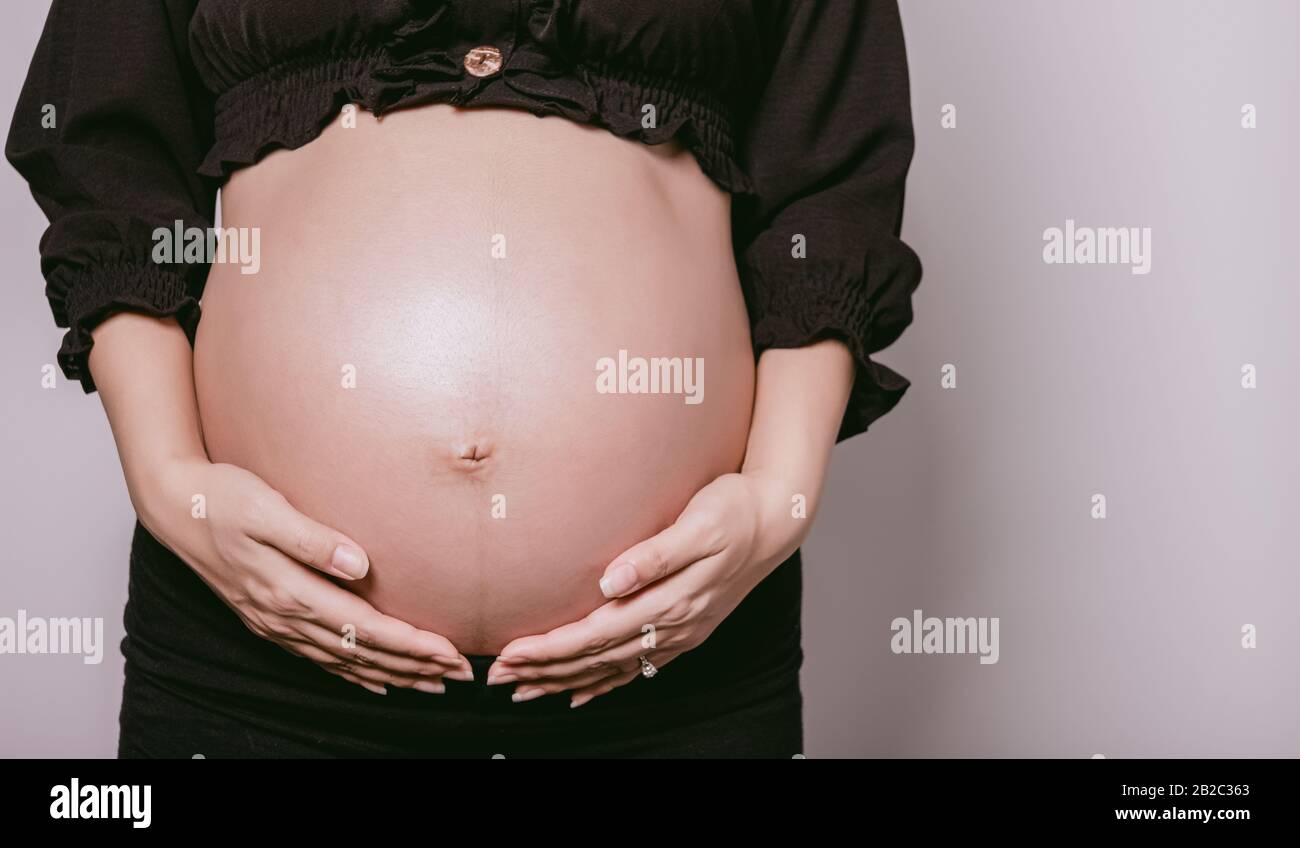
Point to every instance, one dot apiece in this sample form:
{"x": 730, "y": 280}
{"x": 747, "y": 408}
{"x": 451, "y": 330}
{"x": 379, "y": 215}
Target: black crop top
{"x": 798, "y": 108}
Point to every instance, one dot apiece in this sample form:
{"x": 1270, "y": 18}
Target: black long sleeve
{"x": 130, "y": 124}
{"x": 822, "y": 142}
{"x": 828, "y": 149}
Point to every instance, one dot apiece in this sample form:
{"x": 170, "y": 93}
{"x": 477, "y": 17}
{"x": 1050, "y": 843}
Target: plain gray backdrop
{"x": 1119, "y": 636}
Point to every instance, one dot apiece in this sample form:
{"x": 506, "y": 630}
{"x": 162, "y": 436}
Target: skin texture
{"x": 267, "y": 560}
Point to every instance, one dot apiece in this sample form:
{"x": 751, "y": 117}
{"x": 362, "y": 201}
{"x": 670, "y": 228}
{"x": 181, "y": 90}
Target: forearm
{"x": 143, "y": 369}
{"x": 800, "y": 397}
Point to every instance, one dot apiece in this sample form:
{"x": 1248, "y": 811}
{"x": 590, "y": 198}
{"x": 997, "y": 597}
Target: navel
{"x": 471, "y": 455}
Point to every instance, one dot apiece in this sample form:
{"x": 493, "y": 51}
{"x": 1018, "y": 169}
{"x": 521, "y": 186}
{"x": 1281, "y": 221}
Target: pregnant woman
{"x": 502, "y": 432}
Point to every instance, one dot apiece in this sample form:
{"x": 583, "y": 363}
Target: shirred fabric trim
{"x": 816, "y": 305}
{"x": 94, "y": 294}
{"x": 289, "y": 105}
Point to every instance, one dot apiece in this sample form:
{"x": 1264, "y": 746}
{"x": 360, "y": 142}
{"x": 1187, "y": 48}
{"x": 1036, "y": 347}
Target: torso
{"x": 398, "y": 377}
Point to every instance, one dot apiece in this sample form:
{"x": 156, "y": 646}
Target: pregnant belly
{"x": 496, "y": 350}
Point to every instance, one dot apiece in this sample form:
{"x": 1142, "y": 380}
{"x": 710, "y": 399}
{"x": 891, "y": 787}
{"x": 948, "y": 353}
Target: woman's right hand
{"x": 262, "y": 558}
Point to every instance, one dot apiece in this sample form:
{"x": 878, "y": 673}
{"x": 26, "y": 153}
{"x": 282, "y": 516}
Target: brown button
{"x": 483, "y": 61}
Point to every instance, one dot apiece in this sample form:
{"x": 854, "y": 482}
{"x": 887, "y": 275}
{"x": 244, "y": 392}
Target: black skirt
{"x": 198, "y": 682}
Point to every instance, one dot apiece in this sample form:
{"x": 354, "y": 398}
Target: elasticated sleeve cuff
{"x": 92, "y": 295}
{"x": 793, "y": 304}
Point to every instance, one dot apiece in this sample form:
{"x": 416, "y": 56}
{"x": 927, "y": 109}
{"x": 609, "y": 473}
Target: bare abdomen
{"x": 416, "y": 361}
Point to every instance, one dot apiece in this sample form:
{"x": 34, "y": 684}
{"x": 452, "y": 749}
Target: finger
{"x": 374, "y": 676}
{"x": 609, "y": 625}
{"x": 273, "y": 520}
{"x": 351, "y": 616}
{"x": 619, "y": 671}
{"x": 306, "y": 596}
{"x": 531, "y": 691}
{"x": 366, "y": 684}
{"x": 583, "y": 696}
{"x": 614, "y": 659}
{"x": 587, "y": 684}
{"x": 343, "y": 648}
{"x": 587, "y": 693}
{"x": 692, "y": 537}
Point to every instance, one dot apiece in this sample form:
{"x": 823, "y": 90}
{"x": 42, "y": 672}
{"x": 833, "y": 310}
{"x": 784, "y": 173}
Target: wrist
{"x": 785, "y": 515}
{"x": 800, "y": 399}
{"x": 158, "y": 486}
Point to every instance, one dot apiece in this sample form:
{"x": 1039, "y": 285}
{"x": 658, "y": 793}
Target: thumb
{"x": 308, "y": 541}
{"x": 687, "y": 540}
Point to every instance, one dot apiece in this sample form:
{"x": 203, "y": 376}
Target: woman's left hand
{"x": 669, "y": 592}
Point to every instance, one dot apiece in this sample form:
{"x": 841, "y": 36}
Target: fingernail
{"x": 496, "y": 675}
{"x": 463, "y": 674}
{"x": 578, "y": 700}
{"x": 349, "y": 562}
{"x": 376, "y": 688}
{"x": 430, "y": 686}
{"x": 528, "y": 693}
{"x": 620, "y": 580}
